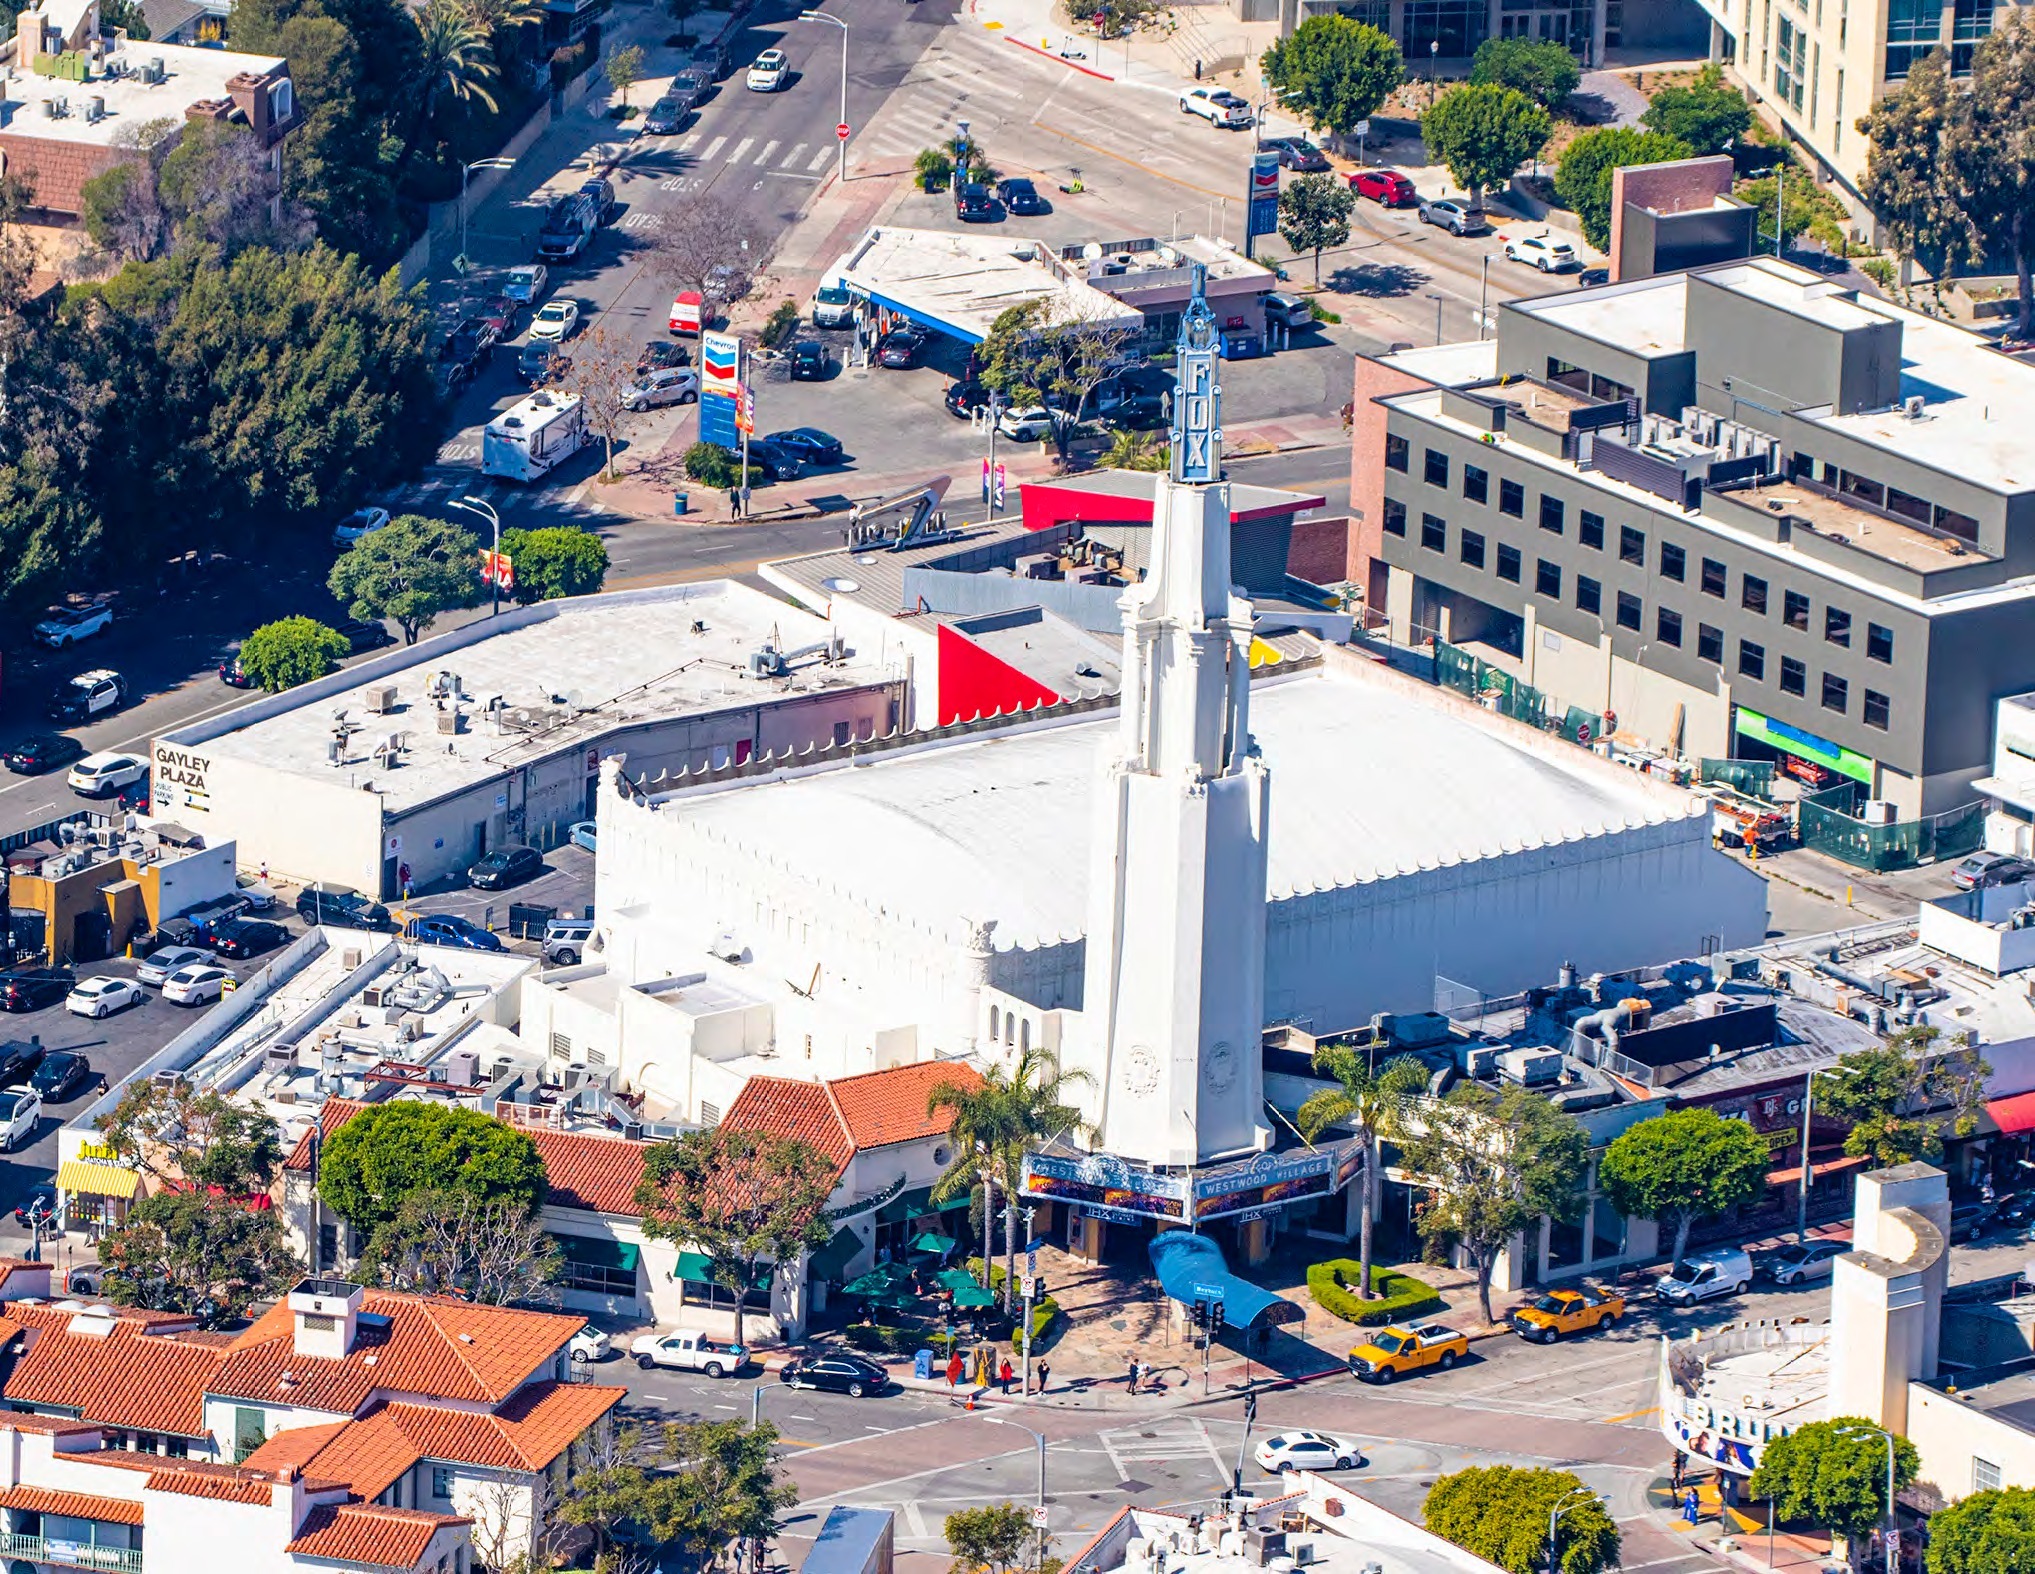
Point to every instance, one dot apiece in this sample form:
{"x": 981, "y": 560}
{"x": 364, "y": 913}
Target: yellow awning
{"x": 1264, "y": 655}
{"x": 100, "y": 1180}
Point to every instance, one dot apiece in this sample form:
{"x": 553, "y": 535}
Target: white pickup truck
{"x": 688, "y": 1350}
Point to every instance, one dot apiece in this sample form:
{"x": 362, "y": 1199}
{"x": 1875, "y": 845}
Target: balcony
{"x": 69, "y": 1554}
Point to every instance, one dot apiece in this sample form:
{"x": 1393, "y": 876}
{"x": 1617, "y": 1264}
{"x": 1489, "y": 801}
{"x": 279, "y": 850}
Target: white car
{"x": 67, "y": 625}
{"x": 666, "y": 385}
{"x": 769, "y": 73}
{"x": 555, "y": 322}
{"x": 1309, "y": 1451}
{"x": 102, "y": 996}
{"x": 195, "y": 983}
{"x": 1543, "y": 251}
{"x": 1800, "y": 1264}
{"x": 157, "y": 966}
{"x": 103, "y": 775}
{"x": 1726, "y": 1271}
{"x": 589, "y": 1344}
{"x": 361, "y": 522}
{"x": 20, "y": 1108}
{"x": 258, "y": 897}
{"x": 1218, "y": 106}
{"x": 1032, "y": 424}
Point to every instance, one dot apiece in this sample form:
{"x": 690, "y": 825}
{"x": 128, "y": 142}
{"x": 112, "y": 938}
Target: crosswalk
{"x": 1176, "y": 1441}
{"x": 799, "y": 160}
{"x": 964, "y": 79}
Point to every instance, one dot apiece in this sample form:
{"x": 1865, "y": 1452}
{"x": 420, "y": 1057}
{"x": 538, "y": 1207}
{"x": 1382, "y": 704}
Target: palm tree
{"x": 1040, "y": 1111}
{"x": 1130, "y": 450}
{"x": 503, "y": 23}
{"x": 456, "y": 58}
{"x": 982, "y": 1129}
{"x": 1371, "y": 1102}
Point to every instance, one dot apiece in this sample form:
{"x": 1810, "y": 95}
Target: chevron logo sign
{"x": 720, "y": 363}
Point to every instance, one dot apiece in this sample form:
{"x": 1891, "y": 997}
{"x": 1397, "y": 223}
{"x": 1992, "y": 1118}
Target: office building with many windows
{"x": 1739, "y": 511}
{"x": 1444, "y": 33}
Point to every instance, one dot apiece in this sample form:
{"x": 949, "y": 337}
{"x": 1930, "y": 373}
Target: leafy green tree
{"x": 1501, "y": 1513}
{"x": 1899, "y": 1097}
{"x": 1543, "y": 70}
{"x": 125, "y": 15}
{"x": 489, "y": 1249}
{"x": 1334, "y": 71}
{"x": 1687, "y": 1165}
{"x": 1496, "y": 1163}
{"x": 290, "y": 651}
{"x": 996, "y": 1538}
{"x": 1583, "y": 178}
{"x": 1314, "y": 214}
{"x": 388, "y": 1153}
{"x": 625, "y": 69}
{"x": 1039, "y": 348}
{"x": 694, "y": 1489}
{"x": 1706, "y": 114}
{"x": 1834, "y": 1474}
{"x": 192, "y": 1252}
{"x": 737, "y": 1197}
{"x": 557, "y": 560}
{"x": 1986, "y": 1533}
{"x": 1370, "y": 1103}
{"x": 1484, "y": 132}
{"x": 179, "y": 1134}
{"x": 411, "y": 569}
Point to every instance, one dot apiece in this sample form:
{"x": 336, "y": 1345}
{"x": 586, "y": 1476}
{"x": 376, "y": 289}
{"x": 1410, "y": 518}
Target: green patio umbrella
{"x": 932, "y": 1244}
{"x": 879, "y": 1281}
{"x": 957, "y": 1279}
{"x": 974, "y": 1298}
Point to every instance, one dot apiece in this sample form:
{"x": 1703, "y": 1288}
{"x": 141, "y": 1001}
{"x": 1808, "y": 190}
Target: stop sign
{"x": 841, "y": 131}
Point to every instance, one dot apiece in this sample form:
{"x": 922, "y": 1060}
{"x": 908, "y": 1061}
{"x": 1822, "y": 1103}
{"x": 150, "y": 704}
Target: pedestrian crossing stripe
{"x": 713, "y": 147}
{"x": 792, "y": 157}
{"x": 741, "y": 150}
{"x": 769, "y": 148}
{"x": 819, "y": 159}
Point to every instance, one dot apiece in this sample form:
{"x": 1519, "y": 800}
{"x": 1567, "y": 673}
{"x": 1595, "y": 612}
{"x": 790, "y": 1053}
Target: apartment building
{"x": 1738, "y": 511}
{"x": 1447, "y": 32}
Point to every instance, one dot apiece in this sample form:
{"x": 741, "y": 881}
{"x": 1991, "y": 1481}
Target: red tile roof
{"x": 394, "y": 1538}
{"x": 599, "y": 1174}
{"x": 126, "y": 1377}
{"x": 73, "y": 1505}
{"x": 876, "y": 1110}
{"x": 789, "y": 1109}
{"x": 412, "y": 1344}
{"x": 332, "y": 1114}
{"x": 227, "y": 1489}
{"x": 56, "y": 1426}
{"x": 294, "y": 1447}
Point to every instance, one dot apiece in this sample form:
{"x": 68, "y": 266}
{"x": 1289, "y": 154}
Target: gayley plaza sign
{"x": 180, "y": 776}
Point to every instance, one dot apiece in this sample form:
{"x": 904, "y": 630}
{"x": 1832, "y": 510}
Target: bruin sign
{"x": 181, "y": 768}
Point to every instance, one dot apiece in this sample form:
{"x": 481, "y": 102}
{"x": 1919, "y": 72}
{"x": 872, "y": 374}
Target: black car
{"x": 776, "y": 464}
{"x": 44, "y": 752}
{"x": 507, "y": 866}
{"x": 603, "y": 193}
{"x": 466, "y": 353}
{"x": 902, "y": 347}
{"x": 60, "y": 1075}
{"x": 965, "y": 398}
{"x": 1296, "y": 153}
{"x": 809, "y": 443}
{"x": 1021, "y": 196}
{"x": 974, "y": 203}
{"x": 240, "y": 938}
{"x": 365, "y": 634}
{"x": 2017, "y": 1210}
{"x": 233, "y": 675}
{"x": 19, "y": 1061}
{"x": 835, "y": 1374}
{"x": 39, "y": 1206}
{"x": 135, "y": 797}
{"x": 810, "y": 362}
{"x": 30, "y": 989}
{"x": 661, "y": 353}
{"x": 322, "y": 902}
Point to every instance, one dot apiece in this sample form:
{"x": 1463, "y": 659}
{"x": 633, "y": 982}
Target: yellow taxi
{"x": 1575, "y": 1311}
{"x": 1392, "y": 1352}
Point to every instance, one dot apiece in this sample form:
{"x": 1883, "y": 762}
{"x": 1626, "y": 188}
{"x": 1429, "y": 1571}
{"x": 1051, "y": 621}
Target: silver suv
{"x": 565, "y": 940}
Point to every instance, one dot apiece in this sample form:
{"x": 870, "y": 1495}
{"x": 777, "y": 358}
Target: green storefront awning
{"x": 1804, "y": 745}
{"x": 912, "y": 1203}
{"x": 697, "y": 1268}
{"x": 831, "y": 1260}
{"x": 598, "y": 1251}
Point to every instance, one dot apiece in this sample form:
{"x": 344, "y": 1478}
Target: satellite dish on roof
{"x": 1092, "y": 252}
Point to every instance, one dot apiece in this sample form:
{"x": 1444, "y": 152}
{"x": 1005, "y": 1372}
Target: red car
{"x": 1386, "y": 187}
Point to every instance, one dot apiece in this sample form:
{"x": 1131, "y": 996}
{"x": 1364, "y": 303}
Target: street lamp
{"x": 1433, "y": 65}
{"x": 1860, "y": 1429}
{"x": 1436, "y": 298}
{"x": 1040, "y": 1438}
{"x": 825, "y": 16}
{"x": 1562, "y": 1505}
{"x": 474, "y": 505}
{"x": 1808, "y": 1105}
{"x": 464, "y": 171}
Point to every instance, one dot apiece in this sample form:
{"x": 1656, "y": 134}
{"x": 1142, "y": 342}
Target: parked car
{"x": 103, "y": 775}
{"x": 363, "y": 634}
{"x": 565, "y": 940}
{"x": 327, "y": 902}
{"x": 1800, "y": 1264}
{"x": 667, "y": 385}
{"x": 103, "y": 996}
{"x": 1983, "y": 869}
{"x": 1290, "y": 311}
{"x": 603, "y": 193}
{"x": 1296, "y": 153}
{"x": 584, "y": 833}
{"x": 1395, "y": 1351}
{"x": 1706, "y": 1275}
{"x": 1219, "y": 107}
{"x": 1542, "y": 251}
{"x": 160, "y": 963}
{"x": 542, "y": 361}
{"x": 902, "y": 348}
{"x": 1590, "y": 278}
{"x": 1309, "y": 1451}
{"x": 233, "y": 675}
{"x": 99, "y": 692}
{"x": 666, "y": 116}
{"x": 525, "y": 286}
{"x": 833, "y": 307}
{"x": 974, "y": 203}
{"x": 67, "y": 625}
{"x": 195, "y": 984}
{"x": 1570, "y": 1311}
{"x": 965, "y": 399}
{"x": 39, "y": 1206}
{"x": 1027, "y": 424}
{"x": 1457, "y": 218}
{"x": 1386, "y": 187}
{"x": 241, "y": 938}
{"x": 555, "y": 321}
{"x": 687, "y": 1350}
{"x": 809, "y": 443}
{"x": 19, "y": 1061}
{"x": 361, "y": 522}
{"x": 1973, "y": 1217}
{"x": 714, "y": 59}
{"x": 777, "y": 464}
{"x": 61, "y": 1075}
{"x": 256, "y": 894}
{"x": 835, "y": 1374}
{"x": 1019, "y": 195}
{"x": 505, "y": 866}
{"x": 694, "y": 84}
{"x": 770, "y": 72}
{"x": 810, "y": 361}
{"x": 19, "y": 1112}
{"x": 43, "y": 752}
{"x": 660, "y": 354}
{"x": 450, "y": 929}
{"x": 589, "y": 1344}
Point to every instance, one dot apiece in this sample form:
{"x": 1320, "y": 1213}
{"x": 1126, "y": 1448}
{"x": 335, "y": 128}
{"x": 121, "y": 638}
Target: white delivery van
{"x": 531, "y": 438}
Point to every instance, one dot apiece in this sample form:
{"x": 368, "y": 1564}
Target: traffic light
{"x": 1215, "y": 1317}
{"x": 1197, "y": 1315}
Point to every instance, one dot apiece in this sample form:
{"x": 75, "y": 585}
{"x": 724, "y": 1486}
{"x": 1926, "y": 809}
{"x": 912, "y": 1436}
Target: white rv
{"x": 528, "y": 439}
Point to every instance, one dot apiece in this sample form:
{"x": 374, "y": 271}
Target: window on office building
{"x": 1395, "y": 517}
{"x": 1795, "y": 610}
{"x": 1512, "y": 499}
{"x": 1590, "y": 529}
{"x": 1791, "y": 64}
{"x": 1436, "y": 471}
{"x": 1836, "y": 693}
{"x": 1674, "y": 562}
{"x": 1397, "y": 454}
{"x": 1476, "y": 484}
{"x": 1836, "y": 626}
{"x": 1879, "y": 643}
{"x": 1710, "y": 643}
{"x": 1547, "y": 579}
{"x": 1985, "y": 1475}
{"x": 1434, "y": 533}
{"x": 1752, "y": 594}
{"x": 1589, "y": 594}
{"x": 1913, "y": 28}
{"x": 1628, "y": 610}
{"x": 1794, "y": 676}
{"x": 1631, "y": 546}
{"x": 1508, "y": 563}
{"x": 1667, "y": 626}
{"x": 1552, "y": 511}
{"x": 1713, "y": 578}
{"x": 1470, "y": 547}
{"x": 1751, "y": 660}
{"x": 1878, "y": 709}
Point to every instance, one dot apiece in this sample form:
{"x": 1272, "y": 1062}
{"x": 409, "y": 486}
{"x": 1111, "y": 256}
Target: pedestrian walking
{"x": 955, "y": 1367}
{"x": 1681, "y": 1464}
{"x": 1045, "y": 1372}
{"x": 1003, "y": 1377}
{"x": 1131, "y": 1376}
{"x": 1690, "y": 1511}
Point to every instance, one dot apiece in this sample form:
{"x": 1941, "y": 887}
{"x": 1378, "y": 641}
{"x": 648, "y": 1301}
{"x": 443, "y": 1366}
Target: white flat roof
{"x": 1644, "y": 316}
{"x": 965, "y": 282}
{"x": 1368, "y": 782}
{"x": 1451, "y": 365}
{"x": 190, "y": 76}
{"x": 568, "y": 672}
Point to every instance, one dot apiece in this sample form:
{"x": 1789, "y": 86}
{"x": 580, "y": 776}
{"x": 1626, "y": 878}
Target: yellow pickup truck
{"x": 1393, "y": 1351}
{"x": 1559, "y": 1312}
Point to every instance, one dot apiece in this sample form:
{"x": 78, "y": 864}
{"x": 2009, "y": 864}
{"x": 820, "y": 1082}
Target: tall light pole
{"x": 474, "y": 505}
{"x": 1893, "y": 1520}
{"x": 1808, "y": 1106}
{"x": 1563, "y": 1505}
{"x": 464, "y": 171}
{"x": 1040, "y": 1438}
{"x": 827, "y": 16}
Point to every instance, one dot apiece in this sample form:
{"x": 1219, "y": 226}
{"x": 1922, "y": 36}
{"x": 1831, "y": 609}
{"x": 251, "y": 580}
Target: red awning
{"x": 1793, "y": 1177}
{"x": 2013, "y": 1115}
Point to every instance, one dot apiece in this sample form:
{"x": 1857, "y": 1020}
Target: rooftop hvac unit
{"x": 156, "y": 73}
{"x": 1531, "y": 1068}
{"x": 380, "y": 698}
{"x": 1878, "y": 811}
{"x": 462, "y": 1067}
{"x": 1477, "y": 1060}
{"x": 1914, "y": 407}
{"x": 1262, "y": 1546}
{"x": 95, "y": 109}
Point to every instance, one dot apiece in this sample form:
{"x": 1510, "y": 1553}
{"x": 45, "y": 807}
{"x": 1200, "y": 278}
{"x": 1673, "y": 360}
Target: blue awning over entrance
{"x": 1191, "y": 1266}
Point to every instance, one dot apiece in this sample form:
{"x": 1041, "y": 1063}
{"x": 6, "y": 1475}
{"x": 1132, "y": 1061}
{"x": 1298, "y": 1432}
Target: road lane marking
{"x": 714, "y": 147}
{"x": 689, "y": 143}
{"x": 724, "y": 1407}
{"x": 769, "y": 148}
{"x": 1631, "y": 1415}
{"x": 792, "y": 157}
{"x": 820, "y": 158}
{"x": 741, "y": 150}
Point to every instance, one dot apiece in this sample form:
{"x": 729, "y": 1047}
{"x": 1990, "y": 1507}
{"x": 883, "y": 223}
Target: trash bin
{"x": 922, "y": 1366}
{"x": 678, "y": 502}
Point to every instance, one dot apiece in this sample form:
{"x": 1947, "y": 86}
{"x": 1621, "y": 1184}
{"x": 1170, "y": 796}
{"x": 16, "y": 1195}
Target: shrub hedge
{"x": 1044, "y": 1309}
{"x": 1333, "y": 1284}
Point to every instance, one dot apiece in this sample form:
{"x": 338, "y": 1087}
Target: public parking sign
{"x": 1264, "y": 194}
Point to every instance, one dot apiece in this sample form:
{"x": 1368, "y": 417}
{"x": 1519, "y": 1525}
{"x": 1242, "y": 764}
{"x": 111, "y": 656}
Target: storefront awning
{"x": 1793, "y": 1176}
{"x": 598, "y": 1251}
{"x": 831, "y": 1260}
{"x": 2013, "y": 1115}
{"x": 97, "y": 1180}
{"x": 697, "y": 1268}
{"x": 913, "y": 1203}
{"x": 1191, "y": 1268}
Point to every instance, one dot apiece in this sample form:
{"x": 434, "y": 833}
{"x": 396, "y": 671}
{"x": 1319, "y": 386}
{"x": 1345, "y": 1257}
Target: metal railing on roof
{"x": 70, "y": 1554}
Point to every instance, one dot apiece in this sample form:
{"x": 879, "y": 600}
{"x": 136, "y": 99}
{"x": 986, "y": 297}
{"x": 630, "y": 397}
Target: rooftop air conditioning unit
{"x": 1531, "y": 1068}
{"x": 380, "y": 698}
{"x": 1914, "y": 406}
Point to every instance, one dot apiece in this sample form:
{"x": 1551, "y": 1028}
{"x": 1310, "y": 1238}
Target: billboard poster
{"x": 1100, "y": 1182}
